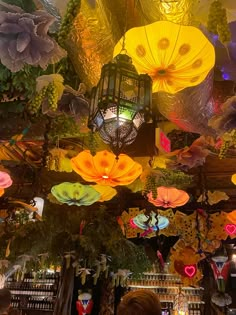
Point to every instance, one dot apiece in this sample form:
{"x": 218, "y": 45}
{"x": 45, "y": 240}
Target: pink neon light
{"x": 230, "y": 229}
{"x": 190, "y": 270}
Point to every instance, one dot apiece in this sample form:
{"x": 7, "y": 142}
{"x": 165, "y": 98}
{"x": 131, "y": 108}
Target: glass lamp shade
{"x": 120, "y": 103}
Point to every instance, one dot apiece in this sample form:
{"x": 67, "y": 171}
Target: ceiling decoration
{"x": 174, "y": 55}
{"x": 120, "y": 103}
{"x": 105, "y": 168}
{"x": 75, "y": 194}
{"x": 173, "y": 139}
{"x": 168, "y": 197}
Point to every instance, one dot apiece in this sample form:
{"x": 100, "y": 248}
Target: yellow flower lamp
{"x": 175, "y": 56}
{"x": 106, "y": 192}
{"x": 105, "y": 169}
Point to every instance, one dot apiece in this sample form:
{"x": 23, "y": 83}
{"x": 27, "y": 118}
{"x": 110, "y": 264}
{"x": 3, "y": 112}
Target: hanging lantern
{"x": 120, "y": 103}
{"x": 180, "y": 304}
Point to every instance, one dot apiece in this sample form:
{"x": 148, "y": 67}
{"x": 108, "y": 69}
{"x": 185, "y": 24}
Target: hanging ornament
{"x": 120, "y": 103}
{"x": 175, "y": 56}
{"x": 105, "y": 169}
{"x": 84, "y": 304}
{"x": 75, "y": 194}
{"x": 168, "y": 197}
{"x": 149, "y": 223}
{"x": 106, "y": 192}
{"x": 232, "y": 216}
{"x": 5, "y": 180}
{"x": 220, "y": 266}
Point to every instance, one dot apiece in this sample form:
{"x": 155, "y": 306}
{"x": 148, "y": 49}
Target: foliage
{"x": 166, "y": 177}
{"x": 64, "y": 126}
{"x": 26, "y": 5}
{"x": 73, "y": 8}
{"x": 60, "y": 232}
{"x": 22, "y": 82}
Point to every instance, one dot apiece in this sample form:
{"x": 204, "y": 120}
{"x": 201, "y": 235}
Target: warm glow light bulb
{"x": 234, "y": 258}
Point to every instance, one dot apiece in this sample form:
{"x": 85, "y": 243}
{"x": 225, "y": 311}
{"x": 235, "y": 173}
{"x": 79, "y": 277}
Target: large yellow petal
{"x": 175, "y": 56}
{"x": 106, "y": 192}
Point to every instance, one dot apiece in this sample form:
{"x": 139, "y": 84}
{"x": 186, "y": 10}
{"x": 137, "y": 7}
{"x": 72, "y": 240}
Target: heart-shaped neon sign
{"x": 230, "y": 229}
{"x": 190, "y": 270}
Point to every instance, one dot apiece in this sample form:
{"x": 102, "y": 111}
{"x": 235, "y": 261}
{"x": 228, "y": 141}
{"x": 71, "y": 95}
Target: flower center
{"x": 161, "y": 72}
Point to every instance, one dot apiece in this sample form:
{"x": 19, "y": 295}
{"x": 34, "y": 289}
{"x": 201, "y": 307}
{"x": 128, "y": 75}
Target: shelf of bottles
{"x": 167, "y": 287}
{"x": 34, "y": 293}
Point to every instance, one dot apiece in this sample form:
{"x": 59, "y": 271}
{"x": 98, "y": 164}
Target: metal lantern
{"x": 120, "y": 103}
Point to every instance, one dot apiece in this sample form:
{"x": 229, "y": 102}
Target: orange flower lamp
{"x": 105, "y": 169}
{"x": 168, "y": 197}
{"x": 174, "y": 56}
{"x": 5, "y": 180}
{"x": 233, "y": 179}
{"x": 232, "y": 216}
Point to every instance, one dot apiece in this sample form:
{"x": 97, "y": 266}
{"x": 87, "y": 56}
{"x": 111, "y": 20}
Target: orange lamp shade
{"x": 5, "y": 180}
{"x": 232, "y": 216}
{"x": 168, "y": 197}
{"x": 174, "y": 56}
{"x": 105, "y": 169}
{"x": 233, "y": 179}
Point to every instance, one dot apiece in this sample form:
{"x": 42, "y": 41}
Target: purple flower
{"x": 24, "y": 39}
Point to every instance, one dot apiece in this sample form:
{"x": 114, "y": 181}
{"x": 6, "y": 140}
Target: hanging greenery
{"x": 87, "y": 232}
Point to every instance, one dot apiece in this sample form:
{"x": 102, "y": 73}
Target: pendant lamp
{"x": 120, "y": 103}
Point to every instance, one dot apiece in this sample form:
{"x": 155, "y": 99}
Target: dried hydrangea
{"x": 24, "y": 38}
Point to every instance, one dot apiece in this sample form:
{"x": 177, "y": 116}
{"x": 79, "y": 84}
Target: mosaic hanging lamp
{"x": 120, "y": 103}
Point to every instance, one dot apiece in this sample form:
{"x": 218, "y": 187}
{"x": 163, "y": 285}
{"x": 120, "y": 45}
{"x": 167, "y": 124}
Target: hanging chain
{"x": 123, "y": 49}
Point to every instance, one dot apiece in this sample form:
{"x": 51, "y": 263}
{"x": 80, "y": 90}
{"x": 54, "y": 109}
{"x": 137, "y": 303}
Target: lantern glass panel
{"x": 138, "y": 120}
{"x": 126, "y": 113}
{"x": 98, "y": 120}
{"x": 129, "y": 89}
